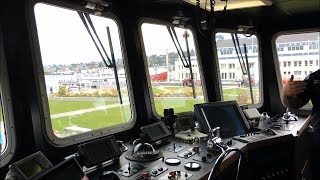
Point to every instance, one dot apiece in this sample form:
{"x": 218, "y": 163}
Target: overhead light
{"x": 96, "y": 4}
{"x": 232, "y": 4}
{"x": 180, "y": 19}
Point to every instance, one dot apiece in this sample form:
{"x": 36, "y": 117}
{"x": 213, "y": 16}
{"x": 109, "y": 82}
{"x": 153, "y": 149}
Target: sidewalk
{"x": 82, "y": 111}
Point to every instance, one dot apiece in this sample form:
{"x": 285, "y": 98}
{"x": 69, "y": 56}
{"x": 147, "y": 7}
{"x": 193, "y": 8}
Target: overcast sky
{"x": 64, "y": 39}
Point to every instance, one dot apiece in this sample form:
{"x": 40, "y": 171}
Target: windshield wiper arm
{"x": 111, "y": 62}
{"x": 114, "y": 65}
{"x": 186, "y": 36}
{"x": 176, "y": 43}
{"x": 186, "y": 62}
{"x": 236, "y": 44}
{"x": 85, "y": 17}
{"x": 248, "y": 70}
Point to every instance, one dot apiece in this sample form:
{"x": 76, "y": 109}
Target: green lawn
{"x": 179, "y": 105}
{"x": 177, "y": 91}
{"x": 94, "y": 120}
{"x": 60, "y": 106}
{"x": 111, "y": 116}
{"x": 242, "y": 95}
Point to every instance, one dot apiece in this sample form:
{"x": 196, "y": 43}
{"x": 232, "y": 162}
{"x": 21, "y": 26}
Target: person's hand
{"x": 293, "y": 88}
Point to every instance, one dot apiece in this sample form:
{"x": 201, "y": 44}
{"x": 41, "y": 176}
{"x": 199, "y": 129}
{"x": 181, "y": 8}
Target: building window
{"x": 317, "y": 62}
{"x": 311, "y": 62}
{"x": 305, "y": 63}
{"x": 299, "y": 63}
{"x": 289, "y": 64}
{"x": 235, "y": 84}
{"x": 167, "y": 89}
{"x": 81, "y": 84}
{"x": 297, "y": 72}
{"x": 284, "y": 64}
{"x": 226, "y": 51}
{"x": 295, "y": 63}
{"x": 313, "y": 47}
{"x": 289, "y": 48}
{"x": 280, "y": 49}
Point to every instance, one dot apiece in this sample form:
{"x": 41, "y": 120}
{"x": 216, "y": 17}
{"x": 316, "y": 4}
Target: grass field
{"x": 116, "y": 115}
{"x": 242, "y": 95}
{"x": 59, "y": 106}
{"x": 94, "y": 120}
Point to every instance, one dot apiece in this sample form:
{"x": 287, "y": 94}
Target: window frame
{"x": 216, "y": 60}
{"x": 276, "y": 57}
{"x": 7, "y": 111}
{"x": 45, "y": 114}
{"x": 145, "y": 60}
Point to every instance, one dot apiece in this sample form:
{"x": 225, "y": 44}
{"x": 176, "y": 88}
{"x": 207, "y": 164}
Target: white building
{"x": 298, "y": 55}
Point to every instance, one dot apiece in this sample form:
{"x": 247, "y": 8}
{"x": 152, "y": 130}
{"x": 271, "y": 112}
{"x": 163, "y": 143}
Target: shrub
{"x": 62, "y": 91}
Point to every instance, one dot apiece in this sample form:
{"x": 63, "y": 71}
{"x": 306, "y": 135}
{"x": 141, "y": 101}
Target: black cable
{"x": 212, "y": 17}
{"x": 220, "y": 160}
{"x": 198, "y": 20}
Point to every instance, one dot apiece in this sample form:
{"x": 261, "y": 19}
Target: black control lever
{"x": 288, "y": 116}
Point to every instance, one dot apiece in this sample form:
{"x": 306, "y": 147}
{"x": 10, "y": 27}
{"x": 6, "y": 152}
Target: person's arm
{"x": 294, "y": 95}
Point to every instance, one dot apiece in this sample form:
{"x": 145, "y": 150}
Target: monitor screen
{"x": 97, "y": 152}
{"x": 226, "y": 115}
{"x": 156, "y": 131}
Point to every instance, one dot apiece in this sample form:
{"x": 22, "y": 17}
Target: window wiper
{"x": 243, "y": 64}
{"x": 236, "y": 44}
{"x": 110, "y": 62}
{"x": 86, "y": 20}
{"x": 186, "y": 62}
{"x": 248, "y": 71}
{"x": 114, "y": 65}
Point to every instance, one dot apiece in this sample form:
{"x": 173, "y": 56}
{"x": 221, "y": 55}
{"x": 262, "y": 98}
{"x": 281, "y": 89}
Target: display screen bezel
{"x": 203, "y": 120}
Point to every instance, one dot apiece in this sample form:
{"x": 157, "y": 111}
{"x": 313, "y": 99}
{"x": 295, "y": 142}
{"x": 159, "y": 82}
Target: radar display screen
{"x": 226, "y": 115}
{"x": 156, "y": 131}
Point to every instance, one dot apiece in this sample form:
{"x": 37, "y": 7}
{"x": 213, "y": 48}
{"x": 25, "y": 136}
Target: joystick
{"x": 288, "y": 116}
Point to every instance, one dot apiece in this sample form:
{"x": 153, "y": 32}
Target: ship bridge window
{"x": 237, "y": 85}
{"x": 85, "y": 88}
{"x": 296, "y": 40}
{"x": 7, "y": 138}
{"x": 171, "y": 86}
